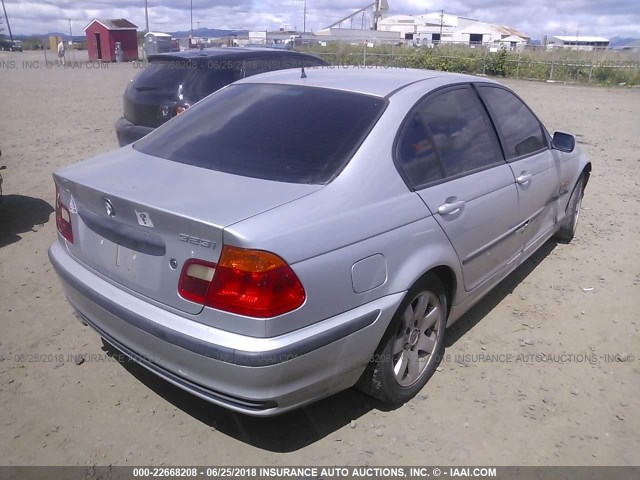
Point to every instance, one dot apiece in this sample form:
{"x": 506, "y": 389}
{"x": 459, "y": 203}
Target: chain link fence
{"x": 598, "y": 65}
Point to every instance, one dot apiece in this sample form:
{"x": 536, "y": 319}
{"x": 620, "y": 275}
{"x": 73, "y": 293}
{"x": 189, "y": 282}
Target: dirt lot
{"x": 578, "y": 302}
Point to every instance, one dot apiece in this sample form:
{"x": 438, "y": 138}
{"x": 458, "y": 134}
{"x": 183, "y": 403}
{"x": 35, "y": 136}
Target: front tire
{"x": 412, "y": 347}
{"x": 568, "y": 229}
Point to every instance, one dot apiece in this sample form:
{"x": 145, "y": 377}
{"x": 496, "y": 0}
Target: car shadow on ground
{"x": 481, "y": 309}
{"x": 20, "y": 214}
{"x": 282, "y": 434}
{"x": 295, "y": 430}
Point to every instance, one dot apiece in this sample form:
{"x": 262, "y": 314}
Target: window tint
{"x": 416, "y": 154}
{"x": 264, "y": 63}
{"x": 520, "y": 130}
{"x": 449, "y": 135}
{"x": 275, "y": 132}
{"x": 461, "y": 131}
{"x": 254, "y": 66}
{"x": 163, "y": 75}
{"x": 198, "y": 79}
{"x": 209, "y": 78}
{"x": 297, "y": 61}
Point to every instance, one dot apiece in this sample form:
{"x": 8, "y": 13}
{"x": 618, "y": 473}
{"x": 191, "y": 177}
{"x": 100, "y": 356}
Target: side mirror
{"x": 565, "y": 142}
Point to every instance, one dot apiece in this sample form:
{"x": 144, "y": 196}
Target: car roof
{"x": 378, "y": 81}
{"x": 221, "y": 53}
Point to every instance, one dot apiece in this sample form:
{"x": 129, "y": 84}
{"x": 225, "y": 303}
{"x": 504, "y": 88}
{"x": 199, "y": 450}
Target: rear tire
{"x": 412, "y": 347}
{"x": 568, "y": 229}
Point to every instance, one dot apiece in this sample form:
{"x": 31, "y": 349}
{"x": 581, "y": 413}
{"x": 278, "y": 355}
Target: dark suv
{"x": 172, "y": 82}
{"x": 9, "y": 46}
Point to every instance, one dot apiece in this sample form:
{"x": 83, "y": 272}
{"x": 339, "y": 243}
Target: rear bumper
{"x": 128, "y": 133}
{"x": 255, "y": 376}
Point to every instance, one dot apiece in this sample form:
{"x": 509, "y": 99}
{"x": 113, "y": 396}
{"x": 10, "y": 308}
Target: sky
{"x": 536, "y": 18}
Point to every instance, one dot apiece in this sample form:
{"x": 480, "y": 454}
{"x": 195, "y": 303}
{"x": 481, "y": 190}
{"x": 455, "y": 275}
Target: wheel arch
{"x": 372, "y": 380}
{"x": 446, "y": 274}
{"x": 586, "y": 173}
{"x": 448, "y": 278}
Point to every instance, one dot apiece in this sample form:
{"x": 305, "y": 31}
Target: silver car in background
{"x": 295, "y": 234}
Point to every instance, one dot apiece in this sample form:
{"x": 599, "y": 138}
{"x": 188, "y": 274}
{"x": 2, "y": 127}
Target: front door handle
{"x": 450, "y": 208}
{"x": 523, "y": 179}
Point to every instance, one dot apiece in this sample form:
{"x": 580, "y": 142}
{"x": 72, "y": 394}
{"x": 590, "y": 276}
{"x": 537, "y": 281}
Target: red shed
{"x": 103, "y": 34}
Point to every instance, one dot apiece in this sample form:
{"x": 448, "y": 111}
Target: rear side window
{"x": 521, "y": 132}
{"x": 275, "y": 132}
{"x": 449, "y": 135}
{"x": 417, "y": 155}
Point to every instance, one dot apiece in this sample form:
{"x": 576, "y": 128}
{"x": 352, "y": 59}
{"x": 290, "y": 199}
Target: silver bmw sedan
{"x": 298, "y": 233}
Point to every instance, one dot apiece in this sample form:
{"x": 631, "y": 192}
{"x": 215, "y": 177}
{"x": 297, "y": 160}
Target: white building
{"x": 443, "y": 27}
{"x": 575, "y": 42}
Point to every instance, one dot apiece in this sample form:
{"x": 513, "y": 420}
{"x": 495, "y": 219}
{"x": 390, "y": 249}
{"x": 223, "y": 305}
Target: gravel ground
{"x": 577, "y": 302}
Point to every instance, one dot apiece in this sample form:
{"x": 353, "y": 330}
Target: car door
{"x": 525, "y": 143}
{"x": 449, "y": 153}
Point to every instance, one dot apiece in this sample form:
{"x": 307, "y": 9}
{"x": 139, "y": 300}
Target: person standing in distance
{"x": 61, "y": 52}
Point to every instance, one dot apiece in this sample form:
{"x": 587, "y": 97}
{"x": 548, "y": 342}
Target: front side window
{"x": 520, "y": 130}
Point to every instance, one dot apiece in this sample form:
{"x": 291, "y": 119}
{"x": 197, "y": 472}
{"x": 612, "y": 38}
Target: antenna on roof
{"x": 303, "y": 74}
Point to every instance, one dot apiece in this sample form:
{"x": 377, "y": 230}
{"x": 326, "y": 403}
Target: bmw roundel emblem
{"x": 109, "y": 207}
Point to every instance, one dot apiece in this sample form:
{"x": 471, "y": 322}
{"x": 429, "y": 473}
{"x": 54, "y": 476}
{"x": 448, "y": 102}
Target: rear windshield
{"x": 198, "y": 79}
{"x": 275, "y": 132}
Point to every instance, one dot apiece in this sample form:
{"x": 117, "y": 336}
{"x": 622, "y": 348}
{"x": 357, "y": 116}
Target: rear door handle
{"x": 523, "y": 179}
{"x": 450, "y": 208}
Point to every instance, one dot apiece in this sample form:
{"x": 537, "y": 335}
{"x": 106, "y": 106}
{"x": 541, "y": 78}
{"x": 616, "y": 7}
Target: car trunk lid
{"x": 137, "y": 218}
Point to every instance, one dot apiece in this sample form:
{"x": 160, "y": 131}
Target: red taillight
{"x": 247, "y": 282}
{"x": 63, "y": 218}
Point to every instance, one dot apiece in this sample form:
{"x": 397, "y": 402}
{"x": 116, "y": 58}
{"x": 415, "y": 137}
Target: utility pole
{"x": 71, "y": 39}
{"x": 441, "y": 20}
{"x": 146, "y": 15}
{"x": 191, "y": 18}
{"x": 304, "y": 18}
{"x": 7, "y": 20}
